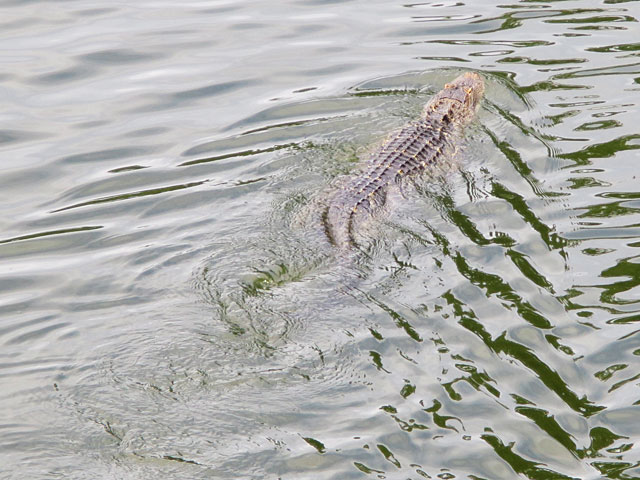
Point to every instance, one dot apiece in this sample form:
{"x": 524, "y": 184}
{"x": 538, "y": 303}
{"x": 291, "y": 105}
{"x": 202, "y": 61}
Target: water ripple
{"x": 171, "y": 309}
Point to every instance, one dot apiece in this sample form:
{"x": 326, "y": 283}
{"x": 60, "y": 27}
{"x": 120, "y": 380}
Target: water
{"x": 165, "y": 315}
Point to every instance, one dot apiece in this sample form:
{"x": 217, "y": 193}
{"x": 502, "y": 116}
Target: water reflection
{"x": 526, "y": 293}
{"x": 167, "y": 312}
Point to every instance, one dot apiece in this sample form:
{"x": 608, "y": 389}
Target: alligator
{"x": 415, "y": 148}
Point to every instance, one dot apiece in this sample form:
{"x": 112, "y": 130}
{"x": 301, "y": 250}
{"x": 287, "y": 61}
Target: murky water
{"x": 165, "y": 314}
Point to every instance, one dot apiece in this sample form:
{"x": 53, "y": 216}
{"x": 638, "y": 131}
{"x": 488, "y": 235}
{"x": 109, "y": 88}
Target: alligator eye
{"x": 469, "y": 90}
{"x": 447, "y": 85}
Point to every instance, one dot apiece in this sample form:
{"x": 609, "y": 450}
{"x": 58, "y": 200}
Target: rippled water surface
{"x": 166, "y": 312}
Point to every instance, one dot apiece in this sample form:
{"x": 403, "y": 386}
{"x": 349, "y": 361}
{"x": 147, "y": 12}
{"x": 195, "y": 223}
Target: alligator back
{"x": 413, "y": 149}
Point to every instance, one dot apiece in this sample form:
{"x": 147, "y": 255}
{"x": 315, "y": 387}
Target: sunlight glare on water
{"x": 167, "y": 311}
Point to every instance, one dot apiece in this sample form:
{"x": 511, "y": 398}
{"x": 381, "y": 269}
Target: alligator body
{"x": 413, "y": 149}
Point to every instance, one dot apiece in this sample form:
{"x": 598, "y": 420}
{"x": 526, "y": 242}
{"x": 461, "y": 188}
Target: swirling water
{"x": 164, "y": 315}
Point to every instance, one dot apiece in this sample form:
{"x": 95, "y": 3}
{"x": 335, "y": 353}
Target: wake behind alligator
{"x": 417, "y": 147}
